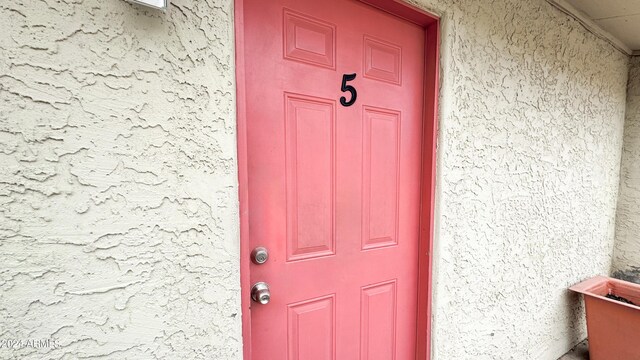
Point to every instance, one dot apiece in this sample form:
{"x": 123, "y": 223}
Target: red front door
{"x": 334, "y": 186}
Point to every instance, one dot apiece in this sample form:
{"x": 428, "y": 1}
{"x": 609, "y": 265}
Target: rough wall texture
{"x": 626, "y": 263}
{"x": 529, "y": 150}
{"x": 118, "y": 213}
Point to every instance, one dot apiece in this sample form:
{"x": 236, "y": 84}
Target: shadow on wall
{"x": 575, "y": 321}
{"x": 627, "y": 252}
{"x": 632, "y": 275}
{"x": 580, "y": 352}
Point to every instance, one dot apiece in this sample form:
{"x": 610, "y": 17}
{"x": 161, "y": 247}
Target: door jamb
{"x": 431, "y": 25}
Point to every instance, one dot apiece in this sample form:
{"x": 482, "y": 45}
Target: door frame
{"x": 431, "y": 25}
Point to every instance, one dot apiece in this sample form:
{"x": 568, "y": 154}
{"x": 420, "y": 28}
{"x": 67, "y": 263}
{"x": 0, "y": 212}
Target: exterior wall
{"x": 529, "y": 149}
{"x": 119, "y": 206}
{"x": 118, "y": 213}
{"x": 626, "y": 264}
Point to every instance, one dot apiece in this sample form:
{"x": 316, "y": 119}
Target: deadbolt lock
{"x": 259, "y": 255}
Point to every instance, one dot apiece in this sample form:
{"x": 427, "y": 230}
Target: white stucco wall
{"x": 530, "y": 141}
{"x": 626, "y": 263}
{"x": 118, "y": 213}
{"x": 119, "y": 219}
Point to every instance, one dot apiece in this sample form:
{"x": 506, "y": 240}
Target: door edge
{"x": 243, "y": 177}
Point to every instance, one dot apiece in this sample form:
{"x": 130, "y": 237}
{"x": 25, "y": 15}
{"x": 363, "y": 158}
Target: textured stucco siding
{"x": 530, "y": 142}
{"x": 119, "y": 220}
{"x": 626, "y": 263}
{"x": 119, "y": 214}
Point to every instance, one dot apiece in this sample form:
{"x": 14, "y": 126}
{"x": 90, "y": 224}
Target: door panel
{"x": 310, "y": 164}
{"x": 333, "y": 191}
{"x": 309, "y": 40}
{"x": 378, "y": 322}
{"x": 381, "y": 150}
{"x": 311, "y": 332}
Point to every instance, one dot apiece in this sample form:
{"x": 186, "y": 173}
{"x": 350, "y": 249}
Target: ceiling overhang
{"x": 592, "y": 26}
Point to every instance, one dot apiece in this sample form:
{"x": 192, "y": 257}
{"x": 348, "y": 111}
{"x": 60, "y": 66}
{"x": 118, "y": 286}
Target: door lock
{"x": 259, "y": 255}
{"x": 260, "y": 293}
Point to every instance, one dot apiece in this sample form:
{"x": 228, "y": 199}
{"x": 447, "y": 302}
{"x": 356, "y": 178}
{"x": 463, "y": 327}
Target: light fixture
{"x": 156, "y": 4}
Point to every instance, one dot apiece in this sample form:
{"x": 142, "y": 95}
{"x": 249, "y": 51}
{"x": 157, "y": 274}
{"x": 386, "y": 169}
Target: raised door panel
{"x": 381, "y": 133}
{"x": 310, "y": 167}
{"x": 311, "y": 329}
{"x": 378, "y": 322}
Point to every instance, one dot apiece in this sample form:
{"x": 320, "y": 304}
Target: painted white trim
{"x": 591, "y": 25}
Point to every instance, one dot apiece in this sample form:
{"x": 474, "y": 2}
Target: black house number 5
{"x": 354, "y": 94}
